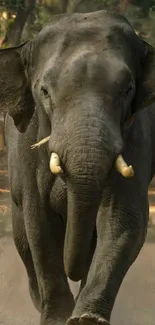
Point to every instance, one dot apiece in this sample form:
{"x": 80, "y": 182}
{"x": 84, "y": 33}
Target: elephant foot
{"x": 87, "y": 319}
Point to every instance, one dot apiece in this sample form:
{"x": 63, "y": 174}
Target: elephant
{"x": 79, "y": 201}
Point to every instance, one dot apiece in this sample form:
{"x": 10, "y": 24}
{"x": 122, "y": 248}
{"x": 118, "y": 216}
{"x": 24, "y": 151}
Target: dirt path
{"x": 135, "y": 304}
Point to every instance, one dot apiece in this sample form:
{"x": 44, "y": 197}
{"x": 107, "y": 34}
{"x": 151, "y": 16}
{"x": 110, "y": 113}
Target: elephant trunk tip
{"x": 74, "y": 275}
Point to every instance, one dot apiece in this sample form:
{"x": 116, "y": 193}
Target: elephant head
{"x": 15, "y": 92}
{"x": 87, "y": 74}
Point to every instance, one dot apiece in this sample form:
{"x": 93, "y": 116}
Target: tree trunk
{"x": 27, "y": 32}
{"x": 123, "y": 5}
{"x": 63, "y": 5}
{"x": 13, "y": 35}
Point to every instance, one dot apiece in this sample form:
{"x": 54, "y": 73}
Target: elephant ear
{"x": 15, "y": 92}
{"x": 145, "y": 94}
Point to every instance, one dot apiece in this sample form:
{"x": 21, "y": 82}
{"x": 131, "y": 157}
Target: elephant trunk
{"x": 88, "y": 164}
{"x": 88, "y": 151}
{"x": 83, "y": 203}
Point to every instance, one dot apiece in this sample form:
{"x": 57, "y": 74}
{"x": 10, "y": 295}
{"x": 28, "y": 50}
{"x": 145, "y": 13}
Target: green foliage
{"x": 11, "y": 5}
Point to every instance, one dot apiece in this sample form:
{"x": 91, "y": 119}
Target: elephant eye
{"x": 45, "y": 92}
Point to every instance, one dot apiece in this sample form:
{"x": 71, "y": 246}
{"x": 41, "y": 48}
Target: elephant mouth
{"x": 55, "y": 164}
{"x": 120, "y": 165}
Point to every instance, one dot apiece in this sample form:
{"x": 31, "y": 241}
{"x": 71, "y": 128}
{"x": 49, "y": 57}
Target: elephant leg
{"x": 45, "y": 232}
{"x": 120, "y": 236}
{"x": 21, "y": 243}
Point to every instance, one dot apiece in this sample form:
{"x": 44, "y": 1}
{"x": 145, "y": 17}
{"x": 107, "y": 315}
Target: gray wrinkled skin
{"x": 85, "y": 80}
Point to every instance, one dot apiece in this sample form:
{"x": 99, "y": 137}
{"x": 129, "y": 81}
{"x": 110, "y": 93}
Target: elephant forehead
{"x": 87, "y": 68}
{"x": 72, "y": 38}
{"x": 84, "y": 27}
{"x": 70, "y": 35}
{"x": 77, "y": 48}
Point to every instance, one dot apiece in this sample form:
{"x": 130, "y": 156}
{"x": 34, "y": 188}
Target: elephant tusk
{"x": 55, "y": 164}
{"x": 123, "y": 168}
{"x": 38, "y": 144}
